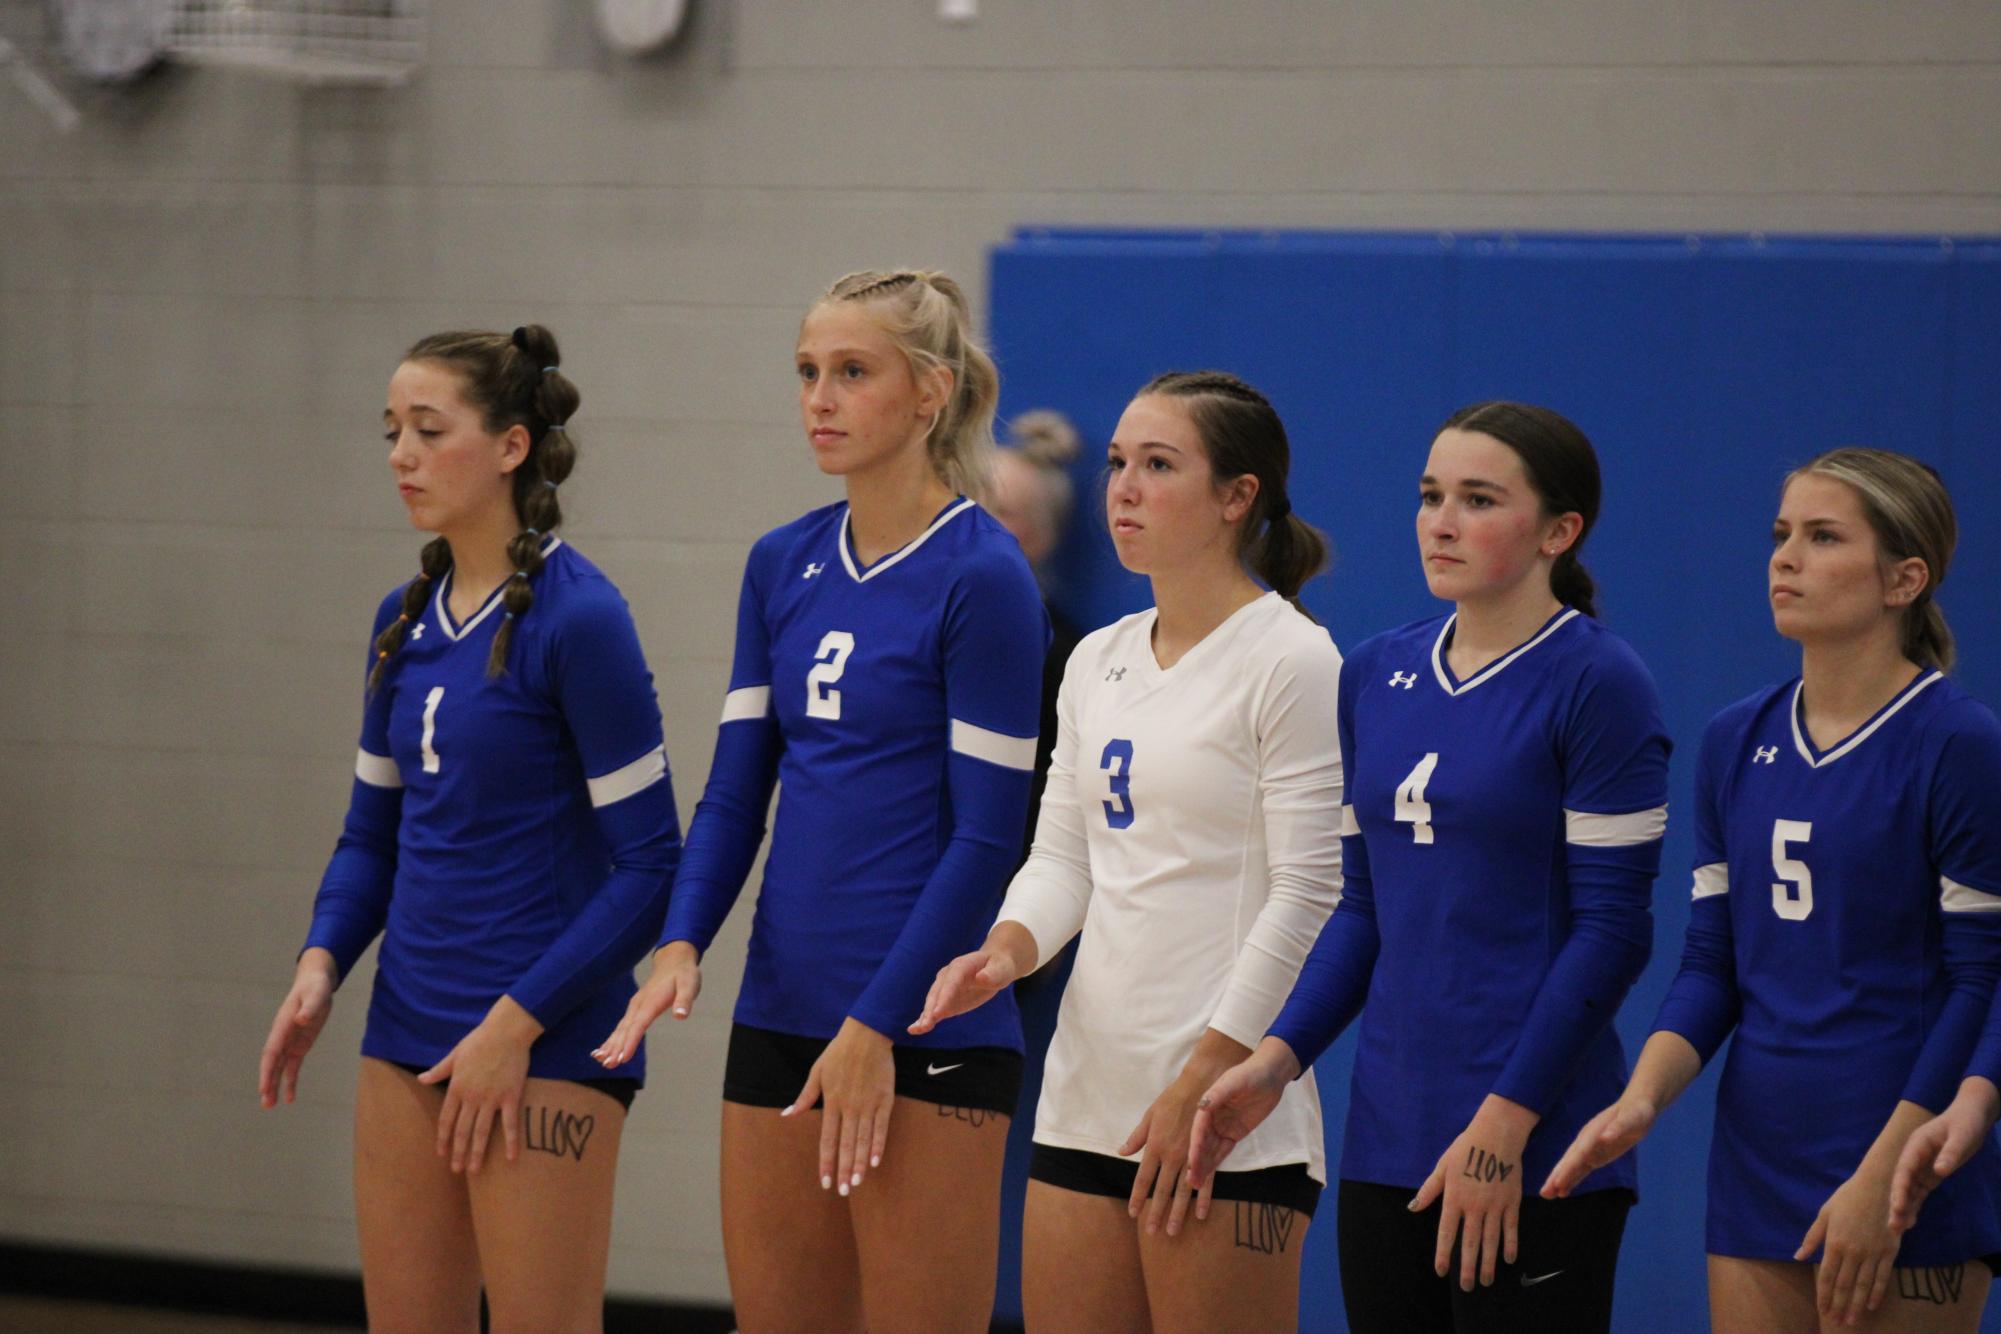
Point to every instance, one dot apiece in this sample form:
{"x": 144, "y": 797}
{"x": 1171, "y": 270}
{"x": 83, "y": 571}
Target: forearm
{"x": 1016, "y": 943}
{"x": 1214, "y": 1053}
{"x": 1667, "y": 1066}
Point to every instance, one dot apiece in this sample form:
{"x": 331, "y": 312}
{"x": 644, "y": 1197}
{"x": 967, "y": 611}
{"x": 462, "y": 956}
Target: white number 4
{"x": 1795, "y": 901}
{"x": 832, "y": 659}
{"x": 1412, "y": 808}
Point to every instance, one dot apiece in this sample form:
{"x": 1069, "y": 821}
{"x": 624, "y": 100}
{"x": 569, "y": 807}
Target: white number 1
{"x": 831, "y": 659}
{"x": 431, "y": 727}
{"x": 1793, "y": 902}
{"x": 1412, "y": 808}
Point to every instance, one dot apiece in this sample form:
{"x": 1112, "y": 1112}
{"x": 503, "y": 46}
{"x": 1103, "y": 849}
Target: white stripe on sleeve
{"x": 1955, "y": 897}
{"x": 1711, "y": 880}
{"x": 747, "y": 704}
{"x": 1010, "y": 752}
{"x": 1349, "y": 827}
{"x": 1587, "y": 830}
{"x": 629, "y": 779}
{"x": 376, "y": 770}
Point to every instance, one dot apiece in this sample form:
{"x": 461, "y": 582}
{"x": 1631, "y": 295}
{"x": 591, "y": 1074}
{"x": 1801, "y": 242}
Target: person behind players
{"x": 1507, "y": 790}
{"x": 1191, "y": 833}
{"x": 1846, "y": 927}
{"x": 510, "y": 835}
{"x": 888, "y": 665}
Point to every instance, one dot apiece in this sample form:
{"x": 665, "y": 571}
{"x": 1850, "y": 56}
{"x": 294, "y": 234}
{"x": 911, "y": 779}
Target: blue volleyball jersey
{"x": 510, "y": 834}
{"x": 1499, "y": 851}
{"x": 1847, "y": 925}
{"x": 897, "y": 709}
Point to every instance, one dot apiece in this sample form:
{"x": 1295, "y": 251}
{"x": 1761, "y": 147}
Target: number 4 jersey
{"x": 1847, "y": 924}
{"x": 896, "y": 707}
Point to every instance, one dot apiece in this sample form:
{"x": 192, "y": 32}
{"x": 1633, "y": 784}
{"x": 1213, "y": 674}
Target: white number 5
{"x": 832, "y": 660}
{"x": 1792, "y": 902}
{"x": 1412, "y": 808}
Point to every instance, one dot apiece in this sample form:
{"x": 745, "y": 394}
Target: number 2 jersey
{"x": 1191, "y": 830}
{"x": 1847, "y": 926}
{"x": 510, "y": 834}
{"x": 1502, "y": 837}
{"x": 896, "y": 707}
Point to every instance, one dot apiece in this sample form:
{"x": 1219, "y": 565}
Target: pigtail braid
{"x": 436, "y": 559}
{"x": 549, "y": 399}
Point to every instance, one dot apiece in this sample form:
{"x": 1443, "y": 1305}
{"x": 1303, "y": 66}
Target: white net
{"x": 319, "y": 41}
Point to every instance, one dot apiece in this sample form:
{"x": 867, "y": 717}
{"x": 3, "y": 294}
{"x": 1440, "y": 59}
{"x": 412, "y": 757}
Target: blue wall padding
{"x": 1702, "y": 367}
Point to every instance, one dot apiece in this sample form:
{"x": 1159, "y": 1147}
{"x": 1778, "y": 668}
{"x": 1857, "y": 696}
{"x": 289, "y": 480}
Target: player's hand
{"x": 1940, "y": 1147}
{"x": 971, "y": 980}
{"x": 673, "y": 984}
{"x": 1479, "y": 1179}
{"x": 966, "y": 983}
{"x": 1605, "y": 1138}
{"x": 855, "y": 1079}
{"x": 1161, "y": 1186}
{"x": 1232, "y": 1107}
{"x": 1860, "y": 1247}
{"x": 301, "y": 1016}
{"x": 487, "y": 1071}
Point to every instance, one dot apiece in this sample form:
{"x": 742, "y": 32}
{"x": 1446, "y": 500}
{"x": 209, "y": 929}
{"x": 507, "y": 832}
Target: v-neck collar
{"x": 1150, "y": 667}
{"x": 1816, "y": 757}
{"x": 442, "y": 603}
{"x": 1452, "y": 685}
{"x": 846, "y": 538}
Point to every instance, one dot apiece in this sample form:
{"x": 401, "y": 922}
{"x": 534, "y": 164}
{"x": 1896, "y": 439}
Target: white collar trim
{"x": 847, "y": 542}
{"x": 1492, "y": 669}
{"x": 1922, "y": 683}
{"x": 493, "y": 600}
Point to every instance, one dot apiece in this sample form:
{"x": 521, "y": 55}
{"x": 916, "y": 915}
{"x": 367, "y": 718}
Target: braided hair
{"x": 512, "y": 380}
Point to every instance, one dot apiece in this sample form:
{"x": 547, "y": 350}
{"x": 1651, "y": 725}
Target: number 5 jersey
{"x": 1191, "y": 830}
{"x": 1847, "y": 926}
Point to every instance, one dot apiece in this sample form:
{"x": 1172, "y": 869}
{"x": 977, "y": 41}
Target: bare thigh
{"x": 927, "y": 1222}
{"x": 1080, "y": 1264}
{"x": 789, "y": 1245}
{"x": 1236, "y": 1270}
{"x": 1777, "y": 1296}
{"x": 419, "y": 1258}
{"x": 544, "y": 1220}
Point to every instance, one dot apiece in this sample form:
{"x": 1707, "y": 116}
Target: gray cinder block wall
{"x": 203, "y": 290}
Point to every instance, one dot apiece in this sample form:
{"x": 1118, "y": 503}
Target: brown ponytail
{"x": 1244, "y": 437}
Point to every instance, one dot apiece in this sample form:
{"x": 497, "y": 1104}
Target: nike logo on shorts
{"x": 941, "y": 1069}
{"x": 1528, "y": 1282}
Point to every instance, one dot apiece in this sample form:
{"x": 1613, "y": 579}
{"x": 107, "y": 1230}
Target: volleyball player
{"x": 510, "y": 835}
{"x": 1190, "y": 832}
{"x": 887, "y": 678}
{"x": 1507, "y": 787}
{"x": 1846, "y": 927}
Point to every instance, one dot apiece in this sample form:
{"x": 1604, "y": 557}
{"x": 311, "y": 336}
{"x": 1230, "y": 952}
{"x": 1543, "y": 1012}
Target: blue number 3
{"x": 1118, "y": 758}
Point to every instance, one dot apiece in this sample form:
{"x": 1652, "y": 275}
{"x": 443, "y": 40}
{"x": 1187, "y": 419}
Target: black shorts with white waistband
{"x": 767, "y": 1069}
{"x": 1289, "y": 1186}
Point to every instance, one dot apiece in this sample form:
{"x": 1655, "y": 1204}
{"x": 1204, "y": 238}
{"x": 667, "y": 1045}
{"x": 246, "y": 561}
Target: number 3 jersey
{"x": 1503, "y": 834}
{"x": 1847, "y": 925}
{"x": 507, "y": 834}
{"x": 1191, "y": 830}
{"x": 896, "y": 707}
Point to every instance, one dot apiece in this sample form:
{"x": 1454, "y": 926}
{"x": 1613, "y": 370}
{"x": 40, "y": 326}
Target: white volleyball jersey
{"x": 1191, "y": 829}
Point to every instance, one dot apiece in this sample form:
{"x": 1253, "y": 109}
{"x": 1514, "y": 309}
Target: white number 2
{"x": 1412, "y": 808}
{"x": 431, "y": 727}
{"x": 1795, "y": 901}
{"x": 832, "y": 660}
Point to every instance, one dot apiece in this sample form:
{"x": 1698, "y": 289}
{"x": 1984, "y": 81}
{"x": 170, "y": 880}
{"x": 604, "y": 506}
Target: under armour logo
{"x": 1766, "y": 755}
{"x": 812, "y": 570}
{"x": 416, "y": 632}
{"x": 1116, "y": 674}
{"x": 1406, "y": 680}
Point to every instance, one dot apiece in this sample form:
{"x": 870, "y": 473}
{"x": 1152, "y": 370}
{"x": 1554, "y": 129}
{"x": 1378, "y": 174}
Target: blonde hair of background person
{"x": 884, "y": 644}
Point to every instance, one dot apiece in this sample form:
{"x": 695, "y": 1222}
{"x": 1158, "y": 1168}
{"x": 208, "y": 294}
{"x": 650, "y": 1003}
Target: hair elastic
{"x": 557, "y": 426}
{"x": 550, "y": 370}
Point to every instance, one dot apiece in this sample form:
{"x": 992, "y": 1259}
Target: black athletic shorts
{"x": 1561, "y": 1279}
{"x": 767, "y": 1069}
{"x": 1287, "y": 1186}
{"x": 623, "y": 1090}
